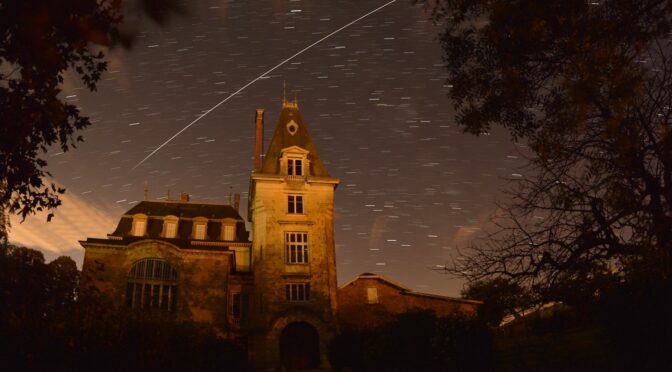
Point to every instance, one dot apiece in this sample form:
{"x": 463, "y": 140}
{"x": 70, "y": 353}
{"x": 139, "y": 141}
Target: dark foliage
{"x": 46, "y": 325}
{"x": 626, "y": 329}
{"x": 501, "y": 297}
{"x": 156, "y": 346}
{"x": 636, "y": 315}
{"x": 415, "y": 341}
{"x": 40, "y": 40}
{"x": 586, "y": 86}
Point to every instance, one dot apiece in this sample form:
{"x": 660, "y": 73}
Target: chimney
{"x": 184, "y": 197}
{"x": 258, "y": 139}
{"x": 236, "y": 202}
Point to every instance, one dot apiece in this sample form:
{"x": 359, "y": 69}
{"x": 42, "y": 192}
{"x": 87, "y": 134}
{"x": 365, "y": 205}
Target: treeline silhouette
{"x": 47, "y": 324}
{"x": 416, "y": 341}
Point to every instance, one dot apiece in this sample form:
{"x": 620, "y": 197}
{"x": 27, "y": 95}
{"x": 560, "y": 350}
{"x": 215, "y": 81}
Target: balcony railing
{"x": 295, "y": 178}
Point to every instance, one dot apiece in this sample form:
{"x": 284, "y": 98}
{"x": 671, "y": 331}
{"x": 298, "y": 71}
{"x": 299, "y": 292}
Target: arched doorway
{"x": 299, "y": 346}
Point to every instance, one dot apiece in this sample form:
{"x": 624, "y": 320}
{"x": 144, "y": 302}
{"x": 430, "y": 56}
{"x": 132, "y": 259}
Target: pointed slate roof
{"x": 283, "y": 138}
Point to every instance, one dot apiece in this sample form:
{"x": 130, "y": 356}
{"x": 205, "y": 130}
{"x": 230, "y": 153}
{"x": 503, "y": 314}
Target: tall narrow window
{"x": 296, "y": 247}
{"x": 152, "y": 284}
{"x": 239, "y": 305}
{"x": 294, "y": 167}
{"x": 171, "y": 230}
{"x": 139, "y": 227}
{"x": 229, "y": 232}
{"x": 170, "y": 226}
{"x": 372, "y": 295}
{"x": 295, "y": 204}
{"x": 199, "y": 231}
{"x": 297, "y": 291}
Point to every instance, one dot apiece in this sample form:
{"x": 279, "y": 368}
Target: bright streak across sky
{"x": 373, "y": 96}
{"x": 260, "y": 77}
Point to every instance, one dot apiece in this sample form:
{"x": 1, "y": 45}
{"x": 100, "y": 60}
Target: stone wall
{"x": 203, "y": 276}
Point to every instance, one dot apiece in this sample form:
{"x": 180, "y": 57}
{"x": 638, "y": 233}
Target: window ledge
{"x": 295, "y": 178}
{"x": 297, "y": 269}
{"x": 296, "y": 222}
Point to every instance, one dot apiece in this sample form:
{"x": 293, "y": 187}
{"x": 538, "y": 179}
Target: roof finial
{"x": 146, "y": 193}
{"x": 285, "y": 102}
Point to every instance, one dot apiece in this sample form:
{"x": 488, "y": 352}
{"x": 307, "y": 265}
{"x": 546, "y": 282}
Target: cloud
{"x": 76, "y": 219}
{"x": 484, "y": 224}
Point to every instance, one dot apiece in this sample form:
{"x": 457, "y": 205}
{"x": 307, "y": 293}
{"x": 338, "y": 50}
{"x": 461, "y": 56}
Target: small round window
{"x": 292, "y": 127}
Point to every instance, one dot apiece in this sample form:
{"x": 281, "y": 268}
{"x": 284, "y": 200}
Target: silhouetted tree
{"x": 62, "y": 286}
{"x": 39, "y": 41}
{"x": 586, "y": 86}
{"x": 500, "y": 298}
{"x": 46, "y": 325}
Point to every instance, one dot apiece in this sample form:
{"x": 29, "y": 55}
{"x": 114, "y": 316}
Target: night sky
{"x": 374, "y": 98}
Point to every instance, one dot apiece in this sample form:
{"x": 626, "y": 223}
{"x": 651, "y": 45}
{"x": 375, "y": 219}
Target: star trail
{"x": 260, "y": 77}
{"x": 372, "y": 93}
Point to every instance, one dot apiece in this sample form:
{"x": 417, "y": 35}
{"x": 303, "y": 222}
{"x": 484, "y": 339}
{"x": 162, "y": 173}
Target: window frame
{"x": 240, "y": 305}
{"x": 297, "y": 250}
{"x": 228, "y": 225}
{"x": 294, "y": 165}
{"x": 139, "y": 220}
{"x": 297, "y": 291}
{"x": 199, "y": 222}
{"x": 294, "y": 203}
{"x": 229, "y": 232}
{"x": 168, "y": 222}
{"x": 152, "y": 284}
{"x": 372, "y": 299}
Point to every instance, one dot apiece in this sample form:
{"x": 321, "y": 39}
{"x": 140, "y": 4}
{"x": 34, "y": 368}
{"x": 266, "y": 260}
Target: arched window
{"x": 152, "y": 284}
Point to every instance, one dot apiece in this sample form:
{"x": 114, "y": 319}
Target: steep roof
{"x": 283, "y": 138}
{"x": 163, "y": 208}
{"x": 156, "y": 209}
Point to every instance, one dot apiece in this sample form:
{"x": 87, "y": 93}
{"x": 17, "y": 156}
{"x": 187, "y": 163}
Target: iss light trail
{"x": 258, "y": 78}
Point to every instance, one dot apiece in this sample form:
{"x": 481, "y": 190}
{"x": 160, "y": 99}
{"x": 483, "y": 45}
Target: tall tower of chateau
{"x": 291, "y": 210}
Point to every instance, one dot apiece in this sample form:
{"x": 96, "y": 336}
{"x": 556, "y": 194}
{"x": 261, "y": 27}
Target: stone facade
{"x": 203, "y": 275}
{"x": 154, "y": 264}
{"x": 292, "y": 198}
{"x": 277, "y": 291}
{"x": 195, "y": 261}
{"x": 371, "y": 300}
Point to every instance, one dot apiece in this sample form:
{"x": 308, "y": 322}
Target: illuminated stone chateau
{"x": 274, "y": 288}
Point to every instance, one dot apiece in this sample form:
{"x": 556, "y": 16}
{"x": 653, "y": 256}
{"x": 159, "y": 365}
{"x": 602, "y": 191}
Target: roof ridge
{"x": 183, "y": 202}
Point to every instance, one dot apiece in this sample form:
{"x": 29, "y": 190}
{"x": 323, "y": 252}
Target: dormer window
{"x": 294, "y": 167}
{"x": 295, "y": 162}
{"x": 139, "y": 227}
{"x": 200, "y": 228}
{"x": 170, "y": 227}
{"x": 229, "y": 229}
